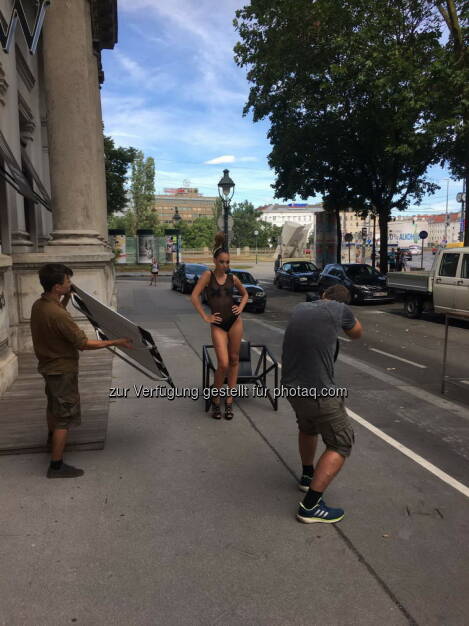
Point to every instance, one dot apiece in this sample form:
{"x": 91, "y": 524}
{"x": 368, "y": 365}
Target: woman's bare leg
{"x": 235, "y": 335}
{"x": 220, "y": 343}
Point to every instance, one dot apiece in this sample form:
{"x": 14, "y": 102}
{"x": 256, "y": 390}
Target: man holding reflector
{"x": 57, "y": 340}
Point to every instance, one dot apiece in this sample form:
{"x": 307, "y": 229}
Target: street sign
{"x": 364, "y": 232}
{"x": 461, "y": 197}
{"x": 423, "y": 234}
{"x": 348, "y": 237}
{"x": 171, "y": 231}
{"x": 221, "y": 224}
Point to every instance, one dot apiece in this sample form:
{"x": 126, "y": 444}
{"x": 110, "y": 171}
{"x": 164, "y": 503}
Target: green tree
{"x": 117, "y": 162}
{"x": 200, "y": 233}
{"x": 142, "y": 188}
{"x": 453, "y": 78}
{"x": 246, "y": 220}
{"x": 348, "y": 88}
{"x": 126, "y": 221}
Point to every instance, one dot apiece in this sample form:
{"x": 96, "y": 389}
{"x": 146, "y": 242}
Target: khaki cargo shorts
{"x": 63, "y": 399}
{"x": 326, "y": 417}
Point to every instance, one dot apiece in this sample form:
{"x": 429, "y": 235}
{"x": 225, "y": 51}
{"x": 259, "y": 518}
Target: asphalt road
{"x": 407, "y": 483}
{"x": 185, "y": 521}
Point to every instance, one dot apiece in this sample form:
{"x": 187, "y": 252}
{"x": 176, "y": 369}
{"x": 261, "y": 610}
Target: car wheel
{"x": 173, "y": 286}
{"x": 413, "y": 307}
{"x": 357, "y": 298}
{"x": 260, "y": 309}
{"x": 279, "y": 284}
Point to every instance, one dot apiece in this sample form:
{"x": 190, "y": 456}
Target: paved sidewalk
{"x": 185, "y": 520}
{"x": 180, "y": 520}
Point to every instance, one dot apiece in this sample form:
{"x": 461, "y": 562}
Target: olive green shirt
{"x": 56, "y": 337}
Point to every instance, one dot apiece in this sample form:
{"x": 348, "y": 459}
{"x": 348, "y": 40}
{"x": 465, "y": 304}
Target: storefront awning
{"x": 11, "y": 171}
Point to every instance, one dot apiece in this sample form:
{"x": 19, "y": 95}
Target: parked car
{"x": 415, "y": 249}
{"x": 257, "y": 296}
{"x": 364, "y": 282}
{"x": 297, "y": 275}
{"x": 186, "y": 276}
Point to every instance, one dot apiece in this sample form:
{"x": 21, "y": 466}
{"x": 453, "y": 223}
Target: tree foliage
{"x": 348, "y": 88}
{"x": 117, "y": 162}
{"x": 454, "y": 82}
{"x": 246, "y": 222}
{"x": 199, "y": 234}
{"x": 142, "y": 188}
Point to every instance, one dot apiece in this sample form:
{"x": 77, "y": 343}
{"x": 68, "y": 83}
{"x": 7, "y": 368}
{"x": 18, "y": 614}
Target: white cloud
{"x": 227, "y": 158}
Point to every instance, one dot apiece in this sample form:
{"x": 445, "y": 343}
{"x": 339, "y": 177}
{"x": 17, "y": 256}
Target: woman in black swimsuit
{"x": 225, "y": 323}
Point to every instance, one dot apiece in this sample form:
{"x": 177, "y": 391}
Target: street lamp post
{"x": 256, "y": 233}
{"x": 225, "y": 191}
{"x": 176, "y": 220}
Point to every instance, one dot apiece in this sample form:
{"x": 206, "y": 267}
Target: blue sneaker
{"x": 303, "y": 483}
{"x": 319, "y": 513}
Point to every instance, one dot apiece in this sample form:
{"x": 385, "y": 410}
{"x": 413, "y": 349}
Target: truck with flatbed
{"x": 443, "y": 289}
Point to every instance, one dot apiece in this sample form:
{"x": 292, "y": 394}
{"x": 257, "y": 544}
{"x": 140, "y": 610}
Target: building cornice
{"x": 104, "y": 23}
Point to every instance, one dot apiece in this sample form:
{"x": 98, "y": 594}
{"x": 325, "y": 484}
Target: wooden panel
{"x": 23, "y": 424}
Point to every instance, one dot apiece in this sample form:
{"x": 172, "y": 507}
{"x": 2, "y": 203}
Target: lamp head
{"x": 226, "y": 186}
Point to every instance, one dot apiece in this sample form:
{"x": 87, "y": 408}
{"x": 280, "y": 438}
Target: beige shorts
{"x": 63, "y": 399}
{"x": 326, "y": 417}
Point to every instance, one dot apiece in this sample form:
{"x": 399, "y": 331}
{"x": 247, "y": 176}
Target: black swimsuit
{"x": 220, "y": 300}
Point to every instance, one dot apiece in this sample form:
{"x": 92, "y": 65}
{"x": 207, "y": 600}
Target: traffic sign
{"x": 461, "y": 197}
{"x": 364, "y": 232}
{"x": 348, "y": 237}
{"x": 221, "y": 223}
{"x": 423, "y": 234}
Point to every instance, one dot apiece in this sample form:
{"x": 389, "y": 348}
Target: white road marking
{"x": 412, "y": 390}
{"x": 436, "y": 471}
{"x": 268, "y": 357}
{"x": 426, "y": 396}
{"x": 399, "y": 358}
{"x": 344, "y": 338}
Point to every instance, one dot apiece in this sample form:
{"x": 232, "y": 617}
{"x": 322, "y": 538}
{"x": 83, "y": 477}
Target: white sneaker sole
{"x": 314, "y": 520}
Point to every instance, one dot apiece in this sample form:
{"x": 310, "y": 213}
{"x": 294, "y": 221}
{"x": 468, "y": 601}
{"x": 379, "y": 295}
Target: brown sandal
{"x": 229, "y": 411}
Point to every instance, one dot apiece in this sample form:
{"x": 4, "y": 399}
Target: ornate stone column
{"x": 71, "y": 93}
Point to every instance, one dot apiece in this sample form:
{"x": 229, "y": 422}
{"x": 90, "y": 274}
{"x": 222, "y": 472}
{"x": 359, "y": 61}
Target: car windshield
{"x": 245, "y": 278}
{"x": 361, "y": 273}
{"x": 303, "y": 267}
{"x": 195, "y": 269}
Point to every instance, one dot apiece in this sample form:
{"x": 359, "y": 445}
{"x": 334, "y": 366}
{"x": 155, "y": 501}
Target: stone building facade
{"x": 52, "y": 178}
{"x": 190, "y": 203}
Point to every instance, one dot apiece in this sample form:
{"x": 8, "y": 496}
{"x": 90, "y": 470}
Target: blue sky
{"x": 173, "y": 90}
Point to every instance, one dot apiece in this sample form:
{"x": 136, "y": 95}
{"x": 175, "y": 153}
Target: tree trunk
{"x": 339, "y": 237}
{"x": 384, "y": 215}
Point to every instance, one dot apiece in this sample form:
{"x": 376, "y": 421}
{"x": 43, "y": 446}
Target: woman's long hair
{"x": 219, "y": 244}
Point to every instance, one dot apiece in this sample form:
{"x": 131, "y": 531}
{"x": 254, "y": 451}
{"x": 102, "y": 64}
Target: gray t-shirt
{"x": 310, "y": 341}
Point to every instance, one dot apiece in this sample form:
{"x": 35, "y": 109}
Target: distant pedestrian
{"x": 399, "y": 256}
{"x": 154, "y": 271}
{"x": 278, "y": 263}
{"x": 309, "y": 348}
{"x": 57, "y": 340}
{"x": 392, "y": 260}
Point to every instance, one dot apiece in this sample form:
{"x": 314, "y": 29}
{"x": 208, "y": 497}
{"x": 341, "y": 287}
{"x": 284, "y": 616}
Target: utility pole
{"x": 446, "y": 216}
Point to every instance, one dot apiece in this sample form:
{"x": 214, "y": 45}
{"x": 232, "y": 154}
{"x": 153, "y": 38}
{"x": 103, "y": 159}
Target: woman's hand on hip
{"x": 215, "y": 318}
{"x": 237, "y": 310}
